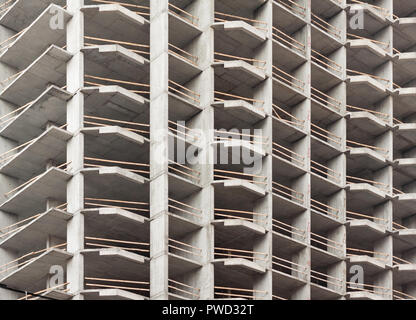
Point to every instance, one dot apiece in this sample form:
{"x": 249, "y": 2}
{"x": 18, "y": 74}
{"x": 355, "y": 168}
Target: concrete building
{"x": 99, "y": 97}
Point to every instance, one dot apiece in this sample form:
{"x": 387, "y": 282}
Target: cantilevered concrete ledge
{"x": 367, "y": 83}
{"x": 242, "y": 110}
{"x": 37, "y": 38}
{"x": 49, "y": 68}
{"x": 113, "y": 21}
{"x": 184, "y": 31}
{"x": 118, "y": 132}
{"x": 111, "y": 294}
{"x": 367, "y": 152}
{"x": 21, "y": 13}
{"x": 364, "y": 225}
{"x": 407, "y": 165}
{"x": 371, "y": 265}
{"x": 363, "y": 295}
{"x": 113, "y": 263}
{"x": 32, "y": 159}
{"x": 366, "y": 193}
{"x": 182, "y": 69}
{"x": 239, "y": 71}
{"x": 404, "y": 273}
{"x": 241, "y": 264}
{"x": 111, "y": 222}
{"x": 116, "y": 60}
{"x": 31, "y": 198}
{"x": 49, "y": 107}
{"x": 243, "y": 184}
{"x": 372, "y": 122}
{"x": 369, "y": 48}
{"x": 29, "y": 275}
{"x": 240, "y": 144}
{"x": 100, "y": 182}
{"x": 408, "y": 235}
{"x": 407, "y": 130}
{"x": 179, "y": 264}
{"x": 32, "y": 235}
{"x": 241, "y": 32}
{"x": 239, "y": 225}
{"x": 100, "y": 97}
{"x": 370, "y": 13}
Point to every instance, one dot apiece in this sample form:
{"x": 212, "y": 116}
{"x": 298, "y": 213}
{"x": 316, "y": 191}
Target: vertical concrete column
{"x": 75, "y": 149}
{"x": 159, "y": 149}
{"x": 204, "y": 49}
{"x": 263, "y": 284}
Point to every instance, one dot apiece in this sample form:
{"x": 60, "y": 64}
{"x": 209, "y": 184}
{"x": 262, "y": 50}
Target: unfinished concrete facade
{"x": 99, "y": 97}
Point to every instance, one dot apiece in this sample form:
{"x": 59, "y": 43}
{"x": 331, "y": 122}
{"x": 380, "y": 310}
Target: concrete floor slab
{"x": 32, "y": 159}
{"x": 31, "y": 198}
{"x": 33, "y": 234}
{"x": 36, "y": 38}
{"x": 49, "y": 68}
{"x": 49, "y": 107}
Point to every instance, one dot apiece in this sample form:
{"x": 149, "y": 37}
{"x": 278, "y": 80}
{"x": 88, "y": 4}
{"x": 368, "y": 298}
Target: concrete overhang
{"x": 408, "y": 235}
{"x": 111, "y": 294}
{"x": 113, "y": 21}
{"x": 287, "y": 131}
{"x": 290, "y": 57}
{"x": 407, "y": 131}
{"x": 32, "y": 273}
{"x": 32, "y": 159}
{"x": 32, "y": 197}
{"x": 49, "y": 68}
{"x": 100, "y": 182}
{"x": 365, "y": 231}
{"x": 363, "y": 295}
{"x": 179, "y": 264}
{"x": 180, "y": 226}
{"x": 21, "y": 13}
{"x": 407, "y": 165}
{"x": 405, "y": 67}
{"x": 368, "y": 122}
{"x": 182, "y": 186}
{"x": 324, "y": 293}
{"x": 286, "y": 244}
{"x": 49, "y": 107}
{"x": 404, "y": 205}
{"x": 360, "y": 158}
{"x": 116, "y": 62}
{"x": 237, "y": 145}
{"x": 239, "y": 72}
{"x": 182, "y": 69}
{"x": 324, "y": 78}
{"x": 185, "y": 31}
{"x": 242, "y": 265}
{"x": 374, "y": 19}
{"x": 243, "y": 187}
{"x": 180, "y": 108}
{"x": 291, "y": 169}
{"x": 284, "y": 281}
{"x": 287, "y": 207}
{"x": 322, "y": 223}
{"x": 321, "y": 257}
{"x": 115, "y": 99}
{"x": 32, "y": 235}
{"x": 241, "y": 110}
{"x": 366, "y": 194}
{"x": 36, "y": 38}
{"x": 366, "y": 50}
{"x": 114, "y": 263}
{"x": 286, "y": 94}
{"x": 324, "y": 40}
{"x": 54, "y": 294}
{"x": 327, "y": 148}
{"x": 109, "y": 223}
{"x": 112, "y": 142}
{"x": 404, "y": 273}
{"x": 240, "y": 31}
{"x": 364, "y": 90}
{"x": 370, "y": 265}
{"x": 324, "y": 185}
{"x": 238, "y": 227}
